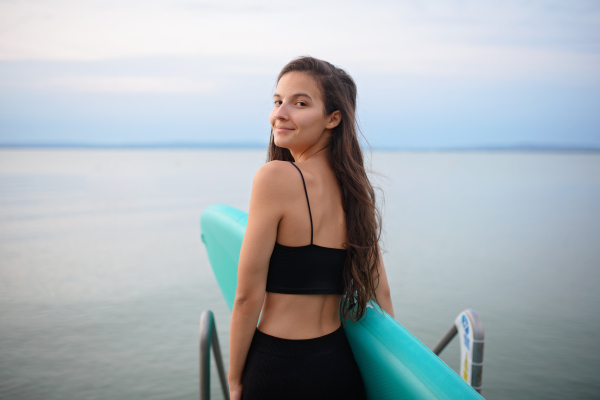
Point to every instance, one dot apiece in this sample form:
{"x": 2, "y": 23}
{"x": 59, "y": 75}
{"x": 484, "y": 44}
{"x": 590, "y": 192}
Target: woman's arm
{"x": 383, "y": 290}
{"x": 265, "y": 212}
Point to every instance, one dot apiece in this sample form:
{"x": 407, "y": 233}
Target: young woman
{"x": 310, "y": 253}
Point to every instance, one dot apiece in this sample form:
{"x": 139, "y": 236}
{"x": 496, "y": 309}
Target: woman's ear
{"x": 334, "y": 119}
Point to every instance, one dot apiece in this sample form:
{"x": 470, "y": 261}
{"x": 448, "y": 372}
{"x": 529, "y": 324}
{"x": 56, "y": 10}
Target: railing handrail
{"x": 471, "y": 346}
{"x": 208, "y": 339}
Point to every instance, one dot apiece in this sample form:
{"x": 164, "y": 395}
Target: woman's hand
{"x": 235, "y": 391}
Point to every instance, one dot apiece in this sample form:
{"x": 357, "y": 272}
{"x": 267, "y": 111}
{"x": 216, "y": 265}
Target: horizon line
{"x": 525, "y": 147}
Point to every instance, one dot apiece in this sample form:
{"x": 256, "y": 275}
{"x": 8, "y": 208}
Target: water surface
{"x": 103, "y": 276}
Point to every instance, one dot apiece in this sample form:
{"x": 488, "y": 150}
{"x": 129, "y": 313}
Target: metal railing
{"x": 470, "y": 326}
{"x": 208, "y": 339}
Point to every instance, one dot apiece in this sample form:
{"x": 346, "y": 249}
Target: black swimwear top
{"x": 310, "y": 269}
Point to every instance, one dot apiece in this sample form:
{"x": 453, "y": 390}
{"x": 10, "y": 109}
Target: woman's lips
{"x": 281, "y": 129}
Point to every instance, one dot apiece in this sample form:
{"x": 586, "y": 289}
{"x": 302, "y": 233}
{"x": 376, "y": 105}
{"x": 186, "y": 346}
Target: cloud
{"x": 126, "y": 84}
{"x": 499, "y": 40}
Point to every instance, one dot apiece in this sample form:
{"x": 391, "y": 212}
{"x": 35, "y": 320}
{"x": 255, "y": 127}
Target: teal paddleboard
{"x": 394, "y": 364}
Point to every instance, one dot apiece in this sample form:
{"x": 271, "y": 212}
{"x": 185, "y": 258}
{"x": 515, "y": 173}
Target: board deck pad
{"x": 394, "y": 364}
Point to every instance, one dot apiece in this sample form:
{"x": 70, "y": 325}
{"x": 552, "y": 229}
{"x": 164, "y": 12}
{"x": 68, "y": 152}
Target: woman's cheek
{"x": 305, "y": 121}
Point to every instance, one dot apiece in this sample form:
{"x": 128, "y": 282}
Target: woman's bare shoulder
{"x": 276, "y": 178}
{"x": 274, "y": 172}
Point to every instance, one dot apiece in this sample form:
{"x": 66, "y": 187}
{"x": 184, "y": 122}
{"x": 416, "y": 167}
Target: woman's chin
{"x": 279, "y": 142}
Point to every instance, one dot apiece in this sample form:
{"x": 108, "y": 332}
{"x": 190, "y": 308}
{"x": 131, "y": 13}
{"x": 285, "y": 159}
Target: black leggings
{"x": 318, "y": 368}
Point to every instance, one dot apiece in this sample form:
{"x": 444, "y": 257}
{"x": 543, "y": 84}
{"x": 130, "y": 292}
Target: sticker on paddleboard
{"x": 464, "y": 326}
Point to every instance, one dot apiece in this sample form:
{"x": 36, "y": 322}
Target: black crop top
{"x": 310, "y": 269}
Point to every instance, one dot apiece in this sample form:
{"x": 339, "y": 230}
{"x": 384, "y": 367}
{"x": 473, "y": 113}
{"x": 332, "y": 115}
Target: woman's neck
{"x": 313, "y": 154}
{"x": 319, "y": 149}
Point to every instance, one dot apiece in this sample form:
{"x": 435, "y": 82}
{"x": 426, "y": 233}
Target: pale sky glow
{"x": 444, "y": 38}
{"x": 203, "y": 48}
{"x": 125, "y": 84}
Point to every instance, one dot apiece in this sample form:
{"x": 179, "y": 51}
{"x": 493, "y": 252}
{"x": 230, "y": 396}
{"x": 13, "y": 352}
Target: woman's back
{"x": 302, "y": 316}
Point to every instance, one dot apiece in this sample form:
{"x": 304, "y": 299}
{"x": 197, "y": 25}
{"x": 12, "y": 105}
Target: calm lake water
{"x": 103, "y": 276}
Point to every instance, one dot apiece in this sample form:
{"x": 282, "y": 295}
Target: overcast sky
{"x": 429, "y": 73}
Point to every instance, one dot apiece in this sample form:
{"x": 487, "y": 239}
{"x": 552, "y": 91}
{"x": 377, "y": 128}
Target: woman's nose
{"x": 281, "y": 112}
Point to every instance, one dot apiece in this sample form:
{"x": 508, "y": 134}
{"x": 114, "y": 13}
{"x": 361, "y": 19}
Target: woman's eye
{"x": 301, "y": 103}
{"x": 277, "y": 102}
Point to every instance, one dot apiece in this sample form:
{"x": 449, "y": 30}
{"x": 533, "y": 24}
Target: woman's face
{"x": 298, "y": 117}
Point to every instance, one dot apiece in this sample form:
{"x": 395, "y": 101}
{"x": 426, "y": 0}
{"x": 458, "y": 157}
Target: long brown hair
{"x": 363, "y": 218}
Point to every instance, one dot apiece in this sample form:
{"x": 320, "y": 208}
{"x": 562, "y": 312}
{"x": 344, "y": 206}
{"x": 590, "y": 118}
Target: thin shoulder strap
{"x": 307, "y": 202}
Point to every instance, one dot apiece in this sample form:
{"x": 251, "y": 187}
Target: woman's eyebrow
{"x": 295, "y": 95}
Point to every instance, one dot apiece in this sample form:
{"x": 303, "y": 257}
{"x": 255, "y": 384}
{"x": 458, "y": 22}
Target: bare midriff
{"x": 299, "y": 316}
